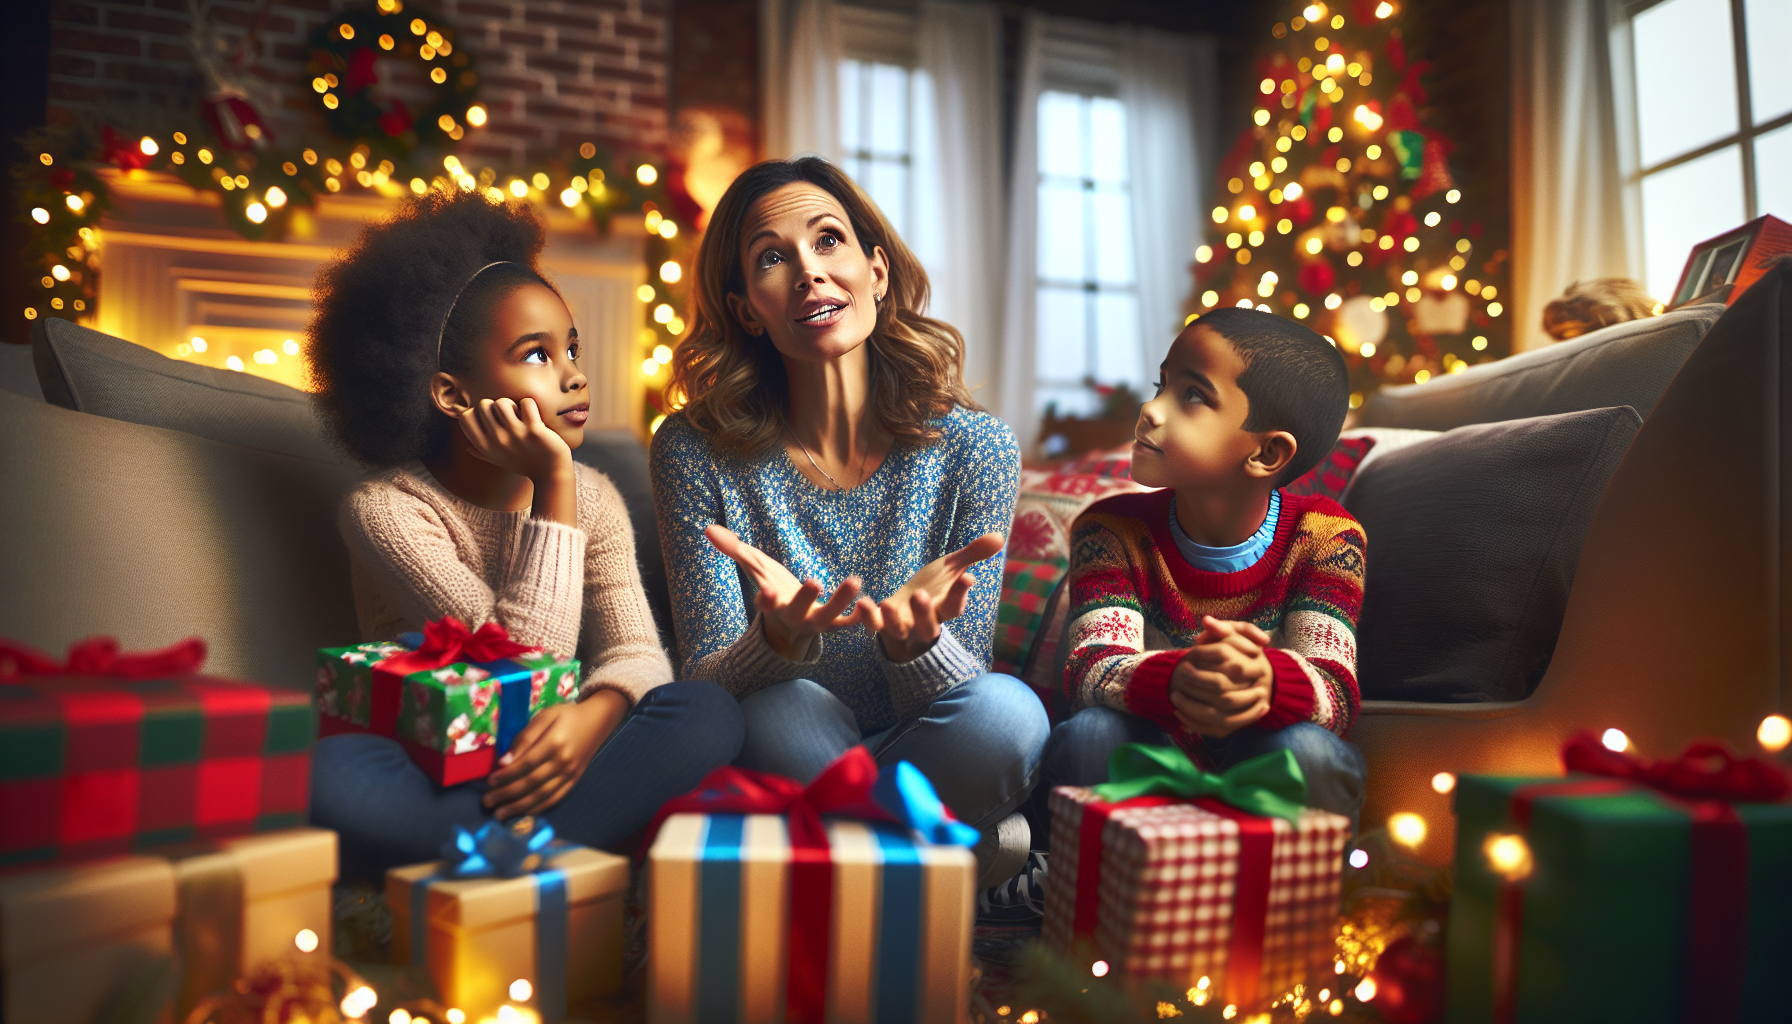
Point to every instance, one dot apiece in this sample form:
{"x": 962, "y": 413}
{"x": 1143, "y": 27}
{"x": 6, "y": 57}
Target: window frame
{"x": 871, "y": 36}
{"x": 1747, "y": 130}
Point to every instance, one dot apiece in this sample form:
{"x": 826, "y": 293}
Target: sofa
{"x": 153, "y": 499}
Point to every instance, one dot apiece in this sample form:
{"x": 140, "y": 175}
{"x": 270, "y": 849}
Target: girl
{"x": 828, "y": 444}
{"x": 444, "y": 360}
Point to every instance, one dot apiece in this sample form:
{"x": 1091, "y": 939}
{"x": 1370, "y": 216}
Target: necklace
{"x": 817, "y": 466}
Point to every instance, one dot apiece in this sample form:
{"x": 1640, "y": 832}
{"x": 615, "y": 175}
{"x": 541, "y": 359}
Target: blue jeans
{"x": 978, "y": 744}
{"x": 1078, "y": 751}
{"x": 387, "y": 813}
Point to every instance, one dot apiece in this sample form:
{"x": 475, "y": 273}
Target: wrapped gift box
{"x": 75, "y": 941}
{"x": 1189, "y": 889}
{"x": 559, "y": 928}
{"x": 93, "y": 765}
{"x": 1624, "y": 904}
{"x": 454, "y": 719}
{"x": 895, "y": 942}
{"x": 244, "y": 901}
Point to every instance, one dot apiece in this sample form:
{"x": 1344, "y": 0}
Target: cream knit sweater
{"x": 417, "y": 552}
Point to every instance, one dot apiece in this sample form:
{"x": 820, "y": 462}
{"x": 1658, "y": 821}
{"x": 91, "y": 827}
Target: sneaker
{"x": 1018, "y": 901}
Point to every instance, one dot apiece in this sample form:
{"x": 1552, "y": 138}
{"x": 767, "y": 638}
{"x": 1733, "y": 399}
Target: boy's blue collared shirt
{"x": 1236, "y": 557}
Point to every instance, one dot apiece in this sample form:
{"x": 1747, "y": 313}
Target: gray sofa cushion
{"x": 17, "y": 375}
{"x": 85, "y": 370}
{"x": 1473, "y": 540}
{"x": 1624, "y": 364}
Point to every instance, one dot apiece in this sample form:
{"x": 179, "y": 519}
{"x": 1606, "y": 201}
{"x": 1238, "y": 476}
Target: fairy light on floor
{"x": 305, "y": 940}
{"x": 1407, "y": 829}
{"x": 1443, "y": 782}
{"x": 1365, "y": 990}
{"x": 1615, "y": 741}
{"x": 1775, "y": 733}
{"x": 358, "y": 1002}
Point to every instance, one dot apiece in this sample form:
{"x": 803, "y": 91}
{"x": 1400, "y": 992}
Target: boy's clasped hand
{"x": 1225, "y": 681}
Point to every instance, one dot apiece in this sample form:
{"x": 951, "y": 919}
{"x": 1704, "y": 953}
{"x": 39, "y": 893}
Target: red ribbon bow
{"x": 99, "y": 656}
{"x": 447, "y": 640}
{"x": 843, "y": 788}
{"x": 1706, "y": 770}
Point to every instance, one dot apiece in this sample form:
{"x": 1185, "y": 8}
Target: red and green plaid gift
{"x": 454, "y": 698}
{"x": 113, "y": 752}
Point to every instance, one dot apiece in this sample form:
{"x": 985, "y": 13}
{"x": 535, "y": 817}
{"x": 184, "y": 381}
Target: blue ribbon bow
{"x": 909, "y": 797}
{"x": 497, "y": 851}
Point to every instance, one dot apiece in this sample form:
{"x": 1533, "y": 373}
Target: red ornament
{"x": 1317, "y": 278}
{"x": 1396, "y": 51}
{"x": 1434, "y": 176}
{"x": 1322, "y": 118}
{"x": 121, "y": 152}
{"x": 360, "y": 71}
{"x": 1300, "y": 211}
{"x": 1409, "y": 983}
{"x": 1399, "y": 225}
{"x": 396, "y": 121}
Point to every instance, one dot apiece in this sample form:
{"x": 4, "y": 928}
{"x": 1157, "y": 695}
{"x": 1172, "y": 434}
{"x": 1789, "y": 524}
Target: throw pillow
{"x": 1473, "y": 540}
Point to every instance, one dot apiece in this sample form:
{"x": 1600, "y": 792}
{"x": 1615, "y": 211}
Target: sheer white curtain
{"x": 799, "y": 77}
{"x": 958, "y": 213}
{"x": 1015, "y": 372}
{"x": 1168, "y": 83}
{"x": 1570, "y": 216}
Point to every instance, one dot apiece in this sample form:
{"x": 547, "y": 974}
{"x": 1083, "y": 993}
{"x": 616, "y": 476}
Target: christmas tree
{"x": 1338, "y": 207}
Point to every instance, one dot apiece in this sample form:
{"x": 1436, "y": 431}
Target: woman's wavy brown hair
{"x": 733, "y": 386}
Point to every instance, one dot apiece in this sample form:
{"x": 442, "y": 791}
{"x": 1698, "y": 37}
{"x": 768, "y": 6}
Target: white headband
{"x": 451, "y": 305}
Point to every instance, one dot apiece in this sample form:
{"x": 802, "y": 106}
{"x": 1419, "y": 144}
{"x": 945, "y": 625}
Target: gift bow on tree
{"x": 100, "y": 656}
{"x": 448, "y": 640}
{"x": 498, "y": 850}
{"x": 1270, "y": 785}
{"x": 1705, "y": 770}
{"x": 852, "y": 786}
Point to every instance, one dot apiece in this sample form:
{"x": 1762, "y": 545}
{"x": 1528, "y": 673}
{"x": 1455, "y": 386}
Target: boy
{"x": 1219, "y": 612}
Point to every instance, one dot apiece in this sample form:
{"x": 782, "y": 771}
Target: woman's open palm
{"x": 909, "y": 620}
{"x": 786, "y": 605}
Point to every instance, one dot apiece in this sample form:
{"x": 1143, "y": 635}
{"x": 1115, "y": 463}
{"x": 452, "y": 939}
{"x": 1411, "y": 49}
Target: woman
{"x": 828, "y": 446}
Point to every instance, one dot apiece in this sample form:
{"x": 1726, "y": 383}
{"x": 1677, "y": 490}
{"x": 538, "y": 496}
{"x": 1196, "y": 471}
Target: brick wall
{"x": 555, "y": 73}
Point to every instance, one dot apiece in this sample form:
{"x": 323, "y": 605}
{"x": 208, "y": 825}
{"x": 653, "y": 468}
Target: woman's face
{"x": 530, "y": 349}
{"x": 809, "y": 287}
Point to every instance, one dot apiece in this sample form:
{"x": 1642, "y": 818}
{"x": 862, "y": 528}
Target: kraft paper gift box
{"x": 558, "y": 927}
{"x": 75, "y": 940}
{"x": 780, "y": 916}
{"x": 1630, "y": 890}
{"x": 454, "y": 698}
{"x": 244, "y": 901}
{"x": 112, "y": 753}
{"x": 1176, "y": 889}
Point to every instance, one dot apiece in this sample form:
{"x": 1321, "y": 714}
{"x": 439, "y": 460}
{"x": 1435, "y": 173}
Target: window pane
{"x": 1061, "y": 246}
{"x": 1773, "y": 173}
{"x": 1117, "y": 338}
{"x": 1769, "y": 24}
{"x": 1063, "y": 343}
{"x": 850, "y": 105}
{"x": 1685, "y": 205}
{"x": 1060, "y": 134}
{"x": 889, "y": 109}
{"x": 1107, "y": 140}
{"x": 1070, "y": 401}
{"x": 1113, "y": 237}
{"x": 1685, "y": 76}
{"x": 887, "y": 181}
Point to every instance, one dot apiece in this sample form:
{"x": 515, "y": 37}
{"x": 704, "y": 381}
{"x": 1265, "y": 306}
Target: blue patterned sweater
{"x": 922, "y": 502}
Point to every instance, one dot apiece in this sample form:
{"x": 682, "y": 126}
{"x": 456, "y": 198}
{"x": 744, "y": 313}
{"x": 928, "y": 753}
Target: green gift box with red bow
{"x": 111, "y": 752}
{"x": 1627, "y": 890}
{"x": 454, "y": 698}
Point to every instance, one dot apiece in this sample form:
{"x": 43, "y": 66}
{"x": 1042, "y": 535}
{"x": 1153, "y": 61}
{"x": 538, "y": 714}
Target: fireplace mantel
{"x": 171, "y": 271}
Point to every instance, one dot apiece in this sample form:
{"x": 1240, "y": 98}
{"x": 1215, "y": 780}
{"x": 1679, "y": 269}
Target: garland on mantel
{"x": 385, "y": 151}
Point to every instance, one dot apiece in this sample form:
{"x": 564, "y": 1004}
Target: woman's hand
{"x": 512, "y": 436}
{"x": 787, "y": 607}
{"x": 551, "y": 753}
{"x": 909, "y": 621}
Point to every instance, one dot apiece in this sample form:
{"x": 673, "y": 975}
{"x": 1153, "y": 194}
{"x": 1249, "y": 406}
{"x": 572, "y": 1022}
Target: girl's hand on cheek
{"x": 549, "y": 756}
{"x": 512, "y": 436}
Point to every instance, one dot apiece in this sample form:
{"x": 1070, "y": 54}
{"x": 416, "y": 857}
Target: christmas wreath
{"x": 345, "y": 68}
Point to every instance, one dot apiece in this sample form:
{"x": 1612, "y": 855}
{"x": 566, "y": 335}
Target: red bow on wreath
{"x": 448, "y": 640}
{"x": 99, "y": 656}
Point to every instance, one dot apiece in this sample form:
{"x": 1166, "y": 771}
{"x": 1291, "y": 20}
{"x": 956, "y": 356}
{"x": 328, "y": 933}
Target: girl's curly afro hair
{"x": 378, "y": 311}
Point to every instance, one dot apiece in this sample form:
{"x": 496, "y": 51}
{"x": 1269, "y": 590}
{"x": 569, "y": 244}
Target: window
{"x": 1713, "y": 140}
{"x": 879, "y": 107}
{"x": 1087, "y": 297}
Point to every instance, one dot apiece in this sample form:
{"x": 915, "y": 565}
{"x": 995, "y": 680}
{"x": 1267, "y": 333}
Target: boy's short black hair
{"x": 378, "y": 312}
{"x": 1294, "y": 379}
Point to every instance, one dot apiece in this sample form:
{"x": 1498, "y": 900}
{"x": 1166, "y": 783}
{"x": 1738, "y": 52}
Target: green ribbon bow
{"x": 1269, "y": 784}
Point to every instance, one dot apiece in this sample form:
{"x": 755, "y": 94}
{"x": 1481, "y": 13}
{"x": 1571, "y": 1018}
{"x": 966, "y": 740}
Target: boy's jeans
{"x": 1077, "y": 755}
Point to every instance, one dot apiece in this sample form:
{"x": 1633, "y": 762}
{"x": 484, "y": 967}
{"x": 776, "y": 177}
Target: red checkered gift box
{"x": 116, "y": 752}
{"x": 1180, "y": 889}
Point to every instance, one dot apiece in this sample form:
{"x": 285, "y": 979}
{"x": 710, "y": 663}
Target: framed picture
{"x": 1722, "y": 268}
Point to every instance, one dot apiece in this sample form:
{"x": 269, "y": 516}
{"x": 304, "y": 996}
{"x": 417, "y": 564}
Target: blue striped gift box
{"x": 719, "y": 900}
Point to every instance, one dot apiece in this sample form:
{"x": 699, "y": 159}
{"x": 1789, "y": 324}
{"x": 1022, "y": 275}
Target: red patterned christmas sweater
{"x": 1136, "y": 608}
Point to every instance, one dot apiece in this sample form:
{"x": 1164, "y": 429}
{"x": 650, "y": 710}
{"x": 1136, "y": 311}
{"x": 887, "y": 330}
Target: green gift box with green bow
{"x": 1172, "y": 873}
